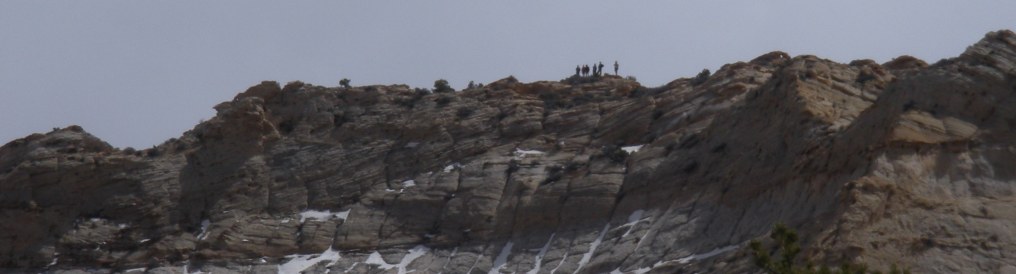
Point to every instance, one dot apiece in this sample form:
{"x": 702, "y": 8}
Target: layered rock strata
{"x": 898, "y": 163}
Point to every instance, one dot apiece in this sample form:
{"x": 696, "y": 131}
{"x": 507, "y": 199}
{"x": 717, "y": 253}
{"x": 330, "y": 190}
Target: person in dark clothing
{"x": 577, "y": 70}
{"x": 615, "y": 67}
{"x": 585, "y": 70}
{"x": 601, "y": 67}
{"x": 596, "y": 72}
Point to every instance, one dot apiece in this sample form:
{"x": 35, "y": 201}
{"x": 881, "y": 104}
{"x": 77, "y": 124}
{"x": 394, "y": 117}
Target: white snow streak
{"x": 633, "y": 219}
{"x": 711, "y": 253}
{"x": 559, "y": 264}
{"x": 522, "y": 153}
{"x": 478, "y": 257}
{"x": 343, "y": 215}
{"x": 539, "y": 256}
{"x": 643, "y": 270}
{"x": 450, "y": 257}
{"x": 631, "y": 149}
{"x": 415, "y": 253}
{"x": 502, "y": 259}
{"x": 451, "y": 167}
{"x": 408, "y": 183}
{"x": 592, "y": 248}
{"x": 302, "y": 262}
{"x": 204, "y": 229}
{"x": 351, "y": 267}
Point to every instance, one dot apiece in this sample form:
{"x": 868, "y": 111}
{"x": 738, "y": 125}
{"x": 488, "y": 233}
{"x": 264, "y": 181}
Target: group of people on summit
{"x": 597, "y": 69}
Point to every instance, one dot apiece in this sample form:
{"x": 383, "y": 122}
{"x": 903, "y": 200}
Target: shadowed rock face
{"x": 901, "y": 163}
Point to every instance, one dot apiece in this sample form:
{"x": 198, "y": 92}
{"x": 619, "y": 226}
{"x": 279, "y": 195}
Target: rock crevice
{"x": 898, "y": 163}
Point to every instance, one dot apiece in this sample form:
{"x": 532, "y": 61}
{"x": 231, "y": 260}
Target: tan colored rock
{"x": 922, "y": 127}
{"x": 900, "y": 163}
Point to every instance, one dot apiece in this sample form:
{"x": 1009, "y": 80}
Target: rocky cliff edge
{"x": 898, "y": 163}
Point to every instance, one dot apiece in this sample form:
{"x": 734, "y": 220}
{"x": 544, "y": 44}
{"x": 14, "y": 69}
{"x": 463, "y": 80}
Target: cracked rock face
{"x": 900, "y": 163}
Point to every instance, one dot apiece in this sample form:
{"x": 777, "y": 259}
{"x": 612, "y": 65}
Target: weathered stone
{"x": 900, "y": 163}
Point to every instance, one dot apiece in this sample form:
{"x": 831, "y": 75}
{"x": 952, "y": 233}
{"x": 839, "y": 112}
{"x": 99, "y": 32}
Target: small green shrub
{"x": 287, "y": 126}
{"x": 464, "y": 112}
{"x": 553, "y": 100}
{"x": 657, "y": 114}
{"x": 786, "y": 249}
{"x": 153, "y": 152}
{"x": 513, "y": 166}
{"x": 614, "y": 153}
{"x": 339, "y": 119}
{"x": 554, "y": 174}
{"x": 701, "y": 77}
{"x": 441, "y": 85}
{"x": 407, "y": 102}
{"x": 443, "y": 100}
{"x": 501, "y": 115}
{"x": 572, "y": 166}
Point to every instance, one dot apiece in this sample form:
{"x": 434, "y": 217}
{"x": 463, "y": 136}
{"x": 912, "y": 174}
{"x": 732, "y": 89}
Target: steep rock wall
{"x": 899, "y": 163}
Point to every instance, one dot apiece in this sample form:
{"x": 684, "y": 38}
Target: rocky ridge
{"x": 898, "y": 163}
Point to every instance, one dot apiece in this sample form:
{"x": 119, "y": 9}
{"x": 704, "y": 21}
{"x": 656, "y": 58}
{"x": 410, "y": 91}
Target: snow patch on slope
{"x": 519, "y": 153}
{"x": 408, "y": 183}
{"x": 502, "y": 258}
{"x": 633, "y": 219}
{"x": 631, "y": 149}
{"x": 204, "y": 229}
{"x": 592, "y": 248}
{"x": 451, "y": 167}
{"x": 414, "y": 253}
{"x": 299, "y": 263}
{"x": 539, "y": 256}
{"x": 706, "y": 255}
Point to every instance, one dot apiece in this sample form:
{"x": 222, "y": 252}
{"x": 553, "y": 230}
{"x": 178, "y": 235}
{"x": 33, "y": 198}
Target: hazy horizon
{"x": 138, "y": 73}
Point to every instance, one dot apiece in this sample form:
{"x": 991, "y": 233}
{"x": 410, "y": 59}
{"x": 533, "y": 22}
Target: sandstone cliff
{"x": 897, "y": 163}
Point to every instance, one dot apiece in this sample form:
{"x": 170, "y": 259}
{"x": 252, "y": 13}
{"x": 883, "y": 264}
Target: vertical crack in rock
{"x": 871, "y": 163}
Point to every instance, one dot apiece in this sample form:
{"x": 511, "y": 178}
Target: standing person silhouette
{"x": 601, "y": 67}
{"x": 615, "y": 67}
{"x": 577, "y": 70}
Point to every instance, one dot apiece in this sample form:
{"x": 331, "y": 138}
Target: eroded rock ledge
{"x": 898, "y": 163}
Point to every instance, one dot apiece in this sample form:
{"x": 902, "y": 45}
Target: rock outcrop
{"x": 899, "y": 163}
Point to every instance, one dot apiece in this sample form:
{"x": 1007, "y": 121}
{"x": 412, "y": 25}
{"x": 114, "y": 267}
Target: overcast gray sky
{"x": 136, "y": 73}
